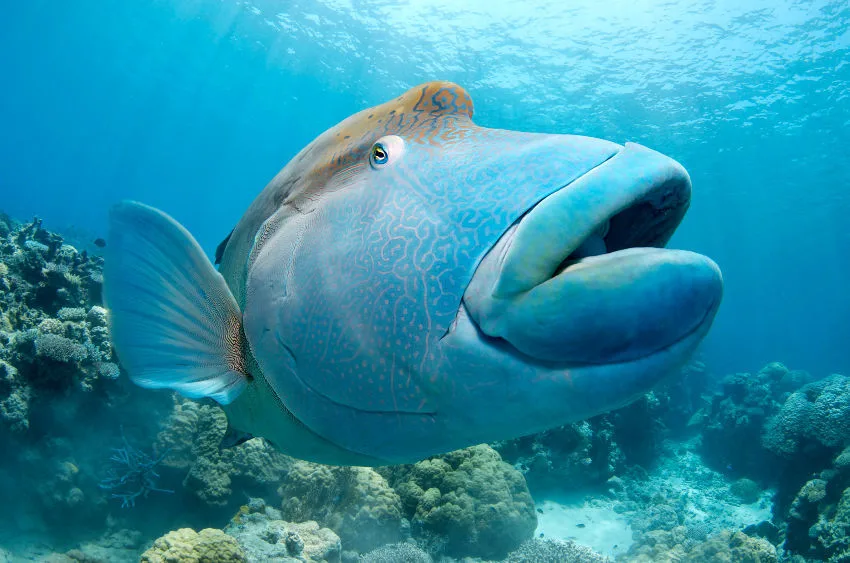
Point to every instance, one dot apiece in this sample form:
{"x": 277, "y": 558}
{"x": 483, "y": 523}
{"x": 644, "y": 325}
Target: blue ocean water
{"x": 193, "y": 105}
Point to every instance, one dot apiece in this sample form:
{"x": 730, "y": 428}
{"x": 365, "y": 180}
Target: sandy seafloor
{"x": 603, "y": 522}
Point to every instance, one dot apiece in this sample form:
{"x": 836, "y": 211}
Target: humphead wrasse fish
{"x": 411, "y": 283}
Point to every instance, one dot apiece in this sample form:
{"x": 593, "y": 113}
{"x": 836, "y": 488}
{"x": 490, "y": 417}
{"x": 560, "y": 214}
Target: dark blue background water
{"x": 192, "y": 106}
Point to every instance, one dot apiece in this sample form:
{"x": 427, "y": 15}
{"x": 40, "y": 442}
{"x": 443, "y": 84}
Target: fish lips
{"x": 582, "y": 277}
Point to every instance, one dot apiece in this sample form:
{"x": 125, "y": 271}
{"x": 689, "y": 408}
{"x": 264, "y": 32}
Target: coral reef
{"x": 189, "y": 441}
{"x": 680, "y": 503}
{"x": 63, "y": 402}
{"x": 478, "y": 504}
{"x": 815, "y": 417}
{"x": 53, "y": 331}
{"x": 356, "y": 502}
{"x": 395, "y": 552}
{"x": 62, "y": 399}
{"x": 580, "y": 454}
{"x": 737, "y": 415}
{"x": 188, "y": 546}
{"x": 733, "y": 547}
{"x": 590, "y": 452}
{"x": 133, "y": 475}
{"x": 724, "y": 547}
{"x": 747, "y": 490}
{"x": 15, "y": 397}
{"x": 818, "y": 518}
{"x": 264, "y": 536}
{"x": 830, "y": 532}
{"x": 553, "y": 551}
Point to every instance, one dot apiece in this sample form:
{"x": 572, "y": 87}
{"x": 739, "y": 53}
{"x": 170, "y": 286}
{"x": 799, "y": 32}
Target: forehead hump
{"x": 421, "y": 107}
{"x": 432, "y": 113}
{"x": 422, "y": 114}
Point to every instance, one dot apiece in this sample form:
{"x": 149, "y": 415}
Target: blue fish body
{"x": 412, "y": 283}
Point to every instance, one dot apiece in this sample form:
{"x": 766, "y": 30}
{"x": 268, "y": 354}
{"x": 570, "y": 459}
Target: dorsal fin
{"x": 219, "y": 250}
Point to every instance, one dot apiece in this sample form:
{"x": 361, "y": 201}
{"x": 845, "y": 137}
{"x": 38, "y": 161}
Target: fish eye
{"x": 385, "y": 148}
{"x": 379, "y": 154}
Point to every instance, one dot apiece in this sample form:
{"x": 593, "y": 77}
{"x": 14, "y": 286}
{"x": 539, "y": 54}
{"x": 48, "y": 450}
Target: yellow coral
{"x": 188, "y": 546}
{"x": 243, "y": 510}
{"x": 5, "y": 323}
{"x": 51, "y": 326}
{"x": 73, "y": 279}
{"x": 70, "y": 468}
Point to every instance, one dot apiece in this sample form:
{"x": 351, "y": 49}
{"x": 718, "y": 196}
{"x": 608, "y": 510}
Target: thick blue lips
{"x": 581, "y": 280}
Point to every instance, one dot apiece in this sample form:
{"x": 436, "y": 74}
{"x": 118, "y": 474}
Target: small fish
{"x": 99, "y": 242}
{"x": 580, "y": 525}
{"x": 540, "y": 510}
{"x": 412, "y": 283}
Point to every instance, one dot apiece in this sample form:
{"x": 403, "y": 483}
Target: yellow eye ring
{"x": 379, "y": 154}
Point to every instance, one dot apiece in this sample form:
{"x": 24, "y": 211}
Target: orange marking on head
{"x": 432, "y": 113}
{"x": 435, "y": 107}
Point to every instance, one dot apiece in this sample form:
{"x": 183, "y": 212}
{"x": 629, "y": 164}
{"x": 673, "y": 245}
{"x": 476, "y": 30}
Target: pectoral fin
{"x": 173, "y": 320}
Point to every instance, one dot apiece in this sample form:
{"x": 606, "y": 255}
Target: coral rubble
{"x": 265, "y": 536}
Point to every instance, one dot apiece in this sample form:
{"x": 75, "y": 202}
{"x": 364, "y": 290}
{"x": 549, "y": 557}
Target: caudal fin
{"x": 173, "y": 320}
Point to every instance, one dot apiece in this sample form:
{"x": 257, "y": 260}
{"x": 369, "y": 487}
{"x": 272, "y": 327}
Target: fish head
{"x": 427, "y": 284}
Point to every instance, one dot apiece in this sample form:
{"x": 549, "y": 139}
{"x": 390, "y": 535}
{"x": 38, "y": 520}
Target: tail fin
{"x": 173, "y": 320}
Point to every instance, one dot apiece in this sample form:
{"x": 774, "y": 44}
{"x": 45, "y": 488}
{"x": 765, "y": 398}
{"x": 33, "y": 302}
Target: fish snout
{"x": 583, "y": 278}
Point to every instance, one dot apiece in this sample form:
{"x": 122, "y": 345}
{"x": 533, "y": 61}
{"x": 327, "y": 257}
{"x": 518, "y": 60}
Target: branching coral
{"x": 540, "y": 550}
{"x": 132, "y": 475}
{"x": 59, "y": 349}
{"x": 396, "y": 552}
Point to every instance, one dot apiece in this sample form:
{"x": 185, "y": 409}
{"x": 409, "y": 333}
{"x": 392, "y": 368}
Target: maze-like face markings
{"x": 340, "y": 151}
{"x": 381, "y": 263}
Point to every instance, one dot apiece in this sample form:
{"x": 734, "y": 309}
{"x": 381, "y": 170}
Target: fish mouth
{"x": 583, "y": 278}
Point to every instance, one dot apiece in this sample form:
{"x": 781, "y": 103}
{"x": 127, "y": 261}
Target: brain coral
{"x": 477, "y": 503}
{"x": 817, "y": 414}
